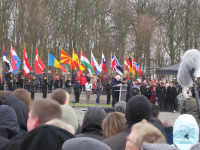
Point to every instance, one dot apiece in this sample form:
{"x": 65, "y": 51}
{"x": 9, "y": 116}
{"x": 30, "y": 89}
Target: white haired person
{"x": 115, "y": 94}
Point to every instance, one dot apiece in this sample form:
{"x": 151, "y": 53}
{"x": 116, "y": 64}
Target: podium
{"x": 122, "y": 91}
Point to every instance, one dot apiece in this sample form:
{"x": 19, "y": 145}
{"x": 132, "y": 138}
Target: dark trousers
{"x": 115, "y": 99}
{"x": 108, "y": 98}
{"x": 32, "y": 95}
{"x": 83, "y": 88}
{"x": 171, "y": 106}
{"x": 161, "y": 105}
{"x": 77, "y": 97}
{"x": 97, "y": 99}
{"x": 44, "y": 93}
{"x": 176, "y": 104}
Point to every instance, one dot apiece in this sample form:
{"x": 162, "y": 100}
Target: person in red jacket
{"x": 153, "y": 96}
{"x": 83, "y": 81}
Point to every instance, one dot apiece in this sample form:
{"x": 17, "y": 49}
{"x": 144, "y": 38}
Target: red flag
{"x": 139, "y": 70}
{"x": 27, "y": 67}
{"x": 126, "y": 64}
{"x": 39, "y": 66}
{"x": 134, "y": 65}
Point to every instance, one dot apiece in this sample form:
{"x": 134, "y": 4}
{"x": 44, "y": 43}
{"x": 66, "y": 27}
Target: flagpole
{"x": 23, "y": 69}
{"x": 90, "y": 77}
{"x": 12, "y": 72}
{"x": 35, "y": 79}
{"x": 71, "y": 71}
{"x": 111, "y": 76}
{"x": 115, "y": 60}
{"x": 132, "y": 66}
{"x": 129, "y": 70}
{"x": 59, "y": 73}
{"x": 101, "y": 77}
{"x": 80, "y": 76}
{"x": 47, "y": 73}
{"x": 2, "y": 61}
{"x": 124, "y": 65}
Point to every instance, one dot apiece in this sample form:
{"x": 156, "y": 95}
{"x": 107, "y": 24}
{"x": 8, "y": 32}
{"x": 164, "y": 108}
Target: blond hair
{"x": 113, "y": 124}
{"x": 61, "y": 124}
{"x": 146, "y": 132}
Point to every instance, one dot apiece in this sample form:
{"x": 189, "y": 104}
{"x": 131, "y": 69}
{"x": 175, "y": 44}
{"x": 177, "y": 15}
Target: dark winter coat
{"x": 67, "y": 84}
{"x": 160, "y": 92}
{"x": 92, "y": 123}
{"x": 21, "y": 109}
{"x": 56, "y": 84}
{"x": 32, "y": 84}
{"x": 44, "y": 84}
{"x": 21, "y": 83}
{"x": 76, "y": 87}
{"x": 108, "y": 87}
{"x": 128, "y": 95}
{"x": 134, "y": 91}
{"x": 148, "y": 93}
{"x": 171, "y": 94}
{"x": 114, "y": 83}
{"x": 142, "y": 89}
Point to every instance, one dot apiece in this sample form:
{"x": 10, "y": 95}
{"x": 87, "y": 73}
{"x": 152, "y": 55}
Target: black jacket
{"x": 134, "y": 91}
{"x": 160, "y": 92}
{"x": 92, "y": 123}
{"x": 67, "y": 84}
{"x": 21, "y": 109}
{"x": 108, "y": 87}
{"x": 148, "y": 93}
{"x": 171, "y": 94}
{"x": 56, "y": 84}
{"x": 44, "y": 84}
{"x": 32, "y": 84}
{"x": 114, "y": 83}
{"x": 142, "y": 89}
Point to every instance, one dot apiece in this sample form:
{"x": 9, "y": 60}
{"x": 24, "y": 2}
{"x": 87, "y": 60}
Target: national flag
{"x": 8, "y": 64}
{"x": 95, "y": 65}
{"x": 15, "y": 61}
{"x": 116, "y": 66}
{"x": 139, "y": 70}
{"x": 103, "y": 63}
{"x": 134, "y": 65}
{"x": 77, "y": 61}
{"x": 130, "y": 66}
{"x": 126, "y": 62}
{"x": 39, "y": 66}
{"x": 53, "y": 62}
{"x": 27, "y": 67}
{"x": 66, "y": 59}
{"x": 86, "y": 63}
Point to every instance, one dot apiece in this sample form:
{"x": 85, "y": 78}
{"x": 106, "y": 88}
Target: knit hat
{"x": 84, "y": 143}
{"x": 46, "y": 137}
{"x": 120, "y": 107}
{"x": 154, "y": 107}
{"x": 137, "y": 109}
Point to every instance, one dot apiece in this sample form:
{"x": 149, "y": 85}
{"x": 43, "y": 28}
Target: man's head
{"x": 124, "y": 80}
{"x": 49, "y": 71}
{"x": 42, "y": 111}
{"x": 147, "y": 86}
{"x": 143, "y": 132}
{"x": 145, "y": 81}
{"x": 83, "y": 74}
{"x": 161, "y": 84}
{"x": 117, "y": 77}
{"x": 60, "y": 96}
{"x": 78, "y": 81}
{"x": 154, "y": 110}
{"x": 171, "y": 84}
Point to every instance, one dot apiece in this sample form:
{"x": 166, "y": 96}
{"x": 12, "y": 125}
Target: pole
{"x": 47, "y": 73}
{"x": 124, "y": 65}
{"x": 12, "y": 72}
{"x": 90, "y": 78}
{"x": 23, "y": 69}
{"x": 80, "y": 76}
{"x": 35, "y": 78}
{"x": 71, "y": 71}
{"x": 129, "y": 69}
{"x": 2, "y": 61}
{"x": 59, "y": 73}
{"x": 101, "y": 77}
{"x": 110, "y": 77}
{"x": 115, "y": 71}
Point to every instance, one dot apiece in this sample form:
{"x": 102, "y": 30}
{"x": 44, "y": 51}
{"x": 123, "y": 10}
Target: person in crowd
{"x": 32, "y": 72}
{"x": 28, "y": 78}
{"x": 92, "y": 123}
{"x": 83, "y": 81}
{"x": 73, "y": 78}
{"x": 56, "y": 83}
{"x": 115, "y": 94}
{"x": 185, "y": 132}
{"x": 171, "y": 95}
{"x": 88, "y": 88}
{"x": 23, "y": 95}
{"x": 152, "y": 98}
{"x": 50, "y": 80}
{"x": 61, "y": 124}
{"x": 128, "y": 93}
{"x": 98, "y": 90}
{"x": 68, "y": 84}
{"x": 5, "y": 93}
{"x": 84, "y": 143}
{"x": 44, "y": 87}
{"x": 77, "y": 87}
{"x": 134, "y": 90}
{"x": 1, "y": 83}
{"x": 21, "y": 81}
{"x": 32, "y": 87}
{"x": 137, "y": 109}
{"x": 160, "y": 95}
{"x": 108, "y": 87}
{"x": 55, "y": 75}
{"x": 143, "y": 132}
{"x": 10, "y": 82}
{"x": 68, "y": 114}
{"x": 120, "y": 107}
{"x": 143, "y": 87}
{"x": 147, "y": 92}
{"x": 9, "y": 127}
{"x": 113, "y": 124}
{"x": 20, "y": 107}
{"x": 43, "y": 137}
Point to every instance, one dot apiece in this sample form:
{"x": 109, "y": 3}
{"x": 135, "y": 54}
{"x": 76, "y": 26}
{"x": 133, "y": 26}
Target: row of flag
{"x": 82, "y": 64}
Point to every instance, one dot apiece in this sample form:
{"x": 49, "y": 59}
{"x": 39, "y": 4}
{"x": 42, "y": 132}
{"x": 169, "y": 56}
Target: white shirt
{"x": 88, "y": 86}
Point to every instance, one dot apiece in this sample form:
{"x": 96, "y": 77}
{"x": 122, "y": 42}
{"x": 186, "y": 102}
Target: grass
{"x": 89, "y": 105}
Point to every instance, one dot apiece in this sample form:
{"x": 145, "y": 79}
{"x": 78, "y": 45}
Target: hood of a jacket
{"x": 185, "y": 132}
{"x": 21, "y": 109}
{"x": 93, "y": 119}
{"x": 9, "y": 126}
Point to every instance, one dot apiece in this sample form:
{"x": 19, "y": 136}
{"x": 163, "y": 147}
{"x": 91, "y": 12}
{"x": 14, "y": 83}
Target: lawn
{"x": 89, "y": 105}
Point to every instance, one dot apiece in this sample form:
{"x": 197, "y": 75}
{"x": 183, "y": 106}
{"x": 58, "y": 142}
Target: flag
{"x": 95, "y": 65}
{"x": 139, "y": 70}
{"x": 130, "y": 66}
{"x": 66, "y": 59}
{"x": 39, "y": 66}
{"x": 77, "y": 62}
{"x": 126, "y": 62}
{"x": 134, "y": 65}
{"x": 8, "y": 64}
{"x": 15, "y": 61}
{"x": 53, "y": 62}
{"x": 27, "y": 67}
{"x": 116, "y": 66}
{"x": 86, "y": 63}
{"x": 103, "y": 63}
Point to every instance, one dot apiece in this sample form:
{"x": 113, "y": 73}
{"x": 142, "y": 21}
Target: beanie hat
{"x": 120, "y": 107}
{"x": 137, "y": 109}
{"x": 84, "y": 143}
{"x": 46, "y": 137}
